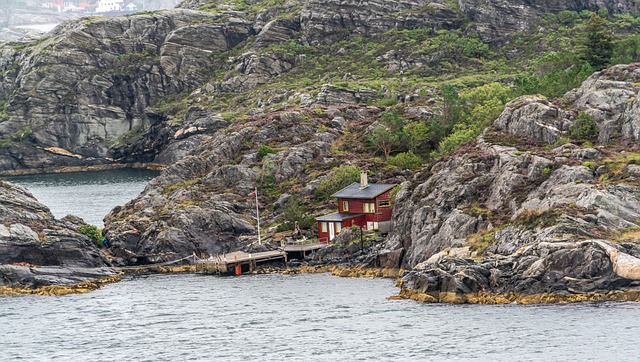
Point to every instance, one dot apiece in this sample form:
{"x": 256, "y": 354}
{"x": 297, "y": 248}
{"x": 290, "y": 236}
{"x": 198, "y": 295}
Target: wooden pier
{"x": 240, "y": 262}
{"x": 237, "y": 262}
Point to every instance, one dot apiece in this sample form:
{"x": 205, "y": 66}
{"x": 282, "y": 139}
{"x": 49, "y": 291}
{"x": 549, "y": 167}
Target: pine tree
{"x": 598, "y": 42}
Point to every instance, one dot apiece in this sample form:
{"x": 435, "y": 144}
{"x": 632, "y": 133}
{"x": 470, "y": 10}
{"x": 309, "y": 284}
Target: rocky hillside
{"x": 525, "y": 210}
{"x": 118, "y": 90}
{"x": 201, "y": 204}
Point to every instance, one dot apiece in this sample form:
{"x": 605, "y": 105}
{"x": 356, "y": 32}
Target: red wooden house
{"x": 359, "y": 204}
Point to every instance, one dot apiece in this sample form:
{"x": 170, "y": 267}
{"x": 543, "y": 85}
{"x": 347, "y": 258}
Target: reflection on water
{"x": 90, "y": 195}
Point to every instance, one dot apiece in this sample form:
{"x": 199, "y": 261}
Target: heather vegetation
{"x": 469, "y": 80}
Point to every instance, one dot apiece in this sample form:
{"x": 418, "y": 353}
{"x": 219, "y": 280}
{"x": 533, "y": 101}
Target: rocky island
{"x": 505, "y": 195}
{"x": 66, "y": 260}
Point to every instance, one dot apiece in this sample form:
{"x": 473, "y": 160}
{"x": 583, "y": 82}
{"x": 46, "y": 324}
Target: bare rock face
{"x": 533, "y": 117}
{"x": 48, "y": 251}
{"x": 534, "y": 219}
{"x": 497, "y": 19}
{"x": 88, "y": 84}
{"x": 611, "y": 97}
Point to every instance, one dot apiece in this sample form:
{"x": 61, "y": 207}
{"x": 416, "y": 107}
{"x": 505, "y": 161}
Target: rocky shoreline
{"x": 85, "y": 168}
{"x": 53, "y": 280}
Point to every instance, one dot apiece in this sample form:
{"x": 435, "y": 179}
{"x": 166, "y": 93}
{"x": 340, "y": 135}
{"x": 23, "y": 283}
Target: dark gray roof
{"x": 337, "y": 216}
{"x": 354, "y": 191}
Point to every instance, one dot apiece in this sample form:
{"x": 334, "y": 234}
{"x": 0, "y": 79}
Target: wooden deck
{"x": 303, "y": 247}
{"x": 226, "y": 263}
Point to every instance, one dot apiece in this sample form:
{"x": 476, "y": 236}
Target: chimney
{"x": 364, "y": 183}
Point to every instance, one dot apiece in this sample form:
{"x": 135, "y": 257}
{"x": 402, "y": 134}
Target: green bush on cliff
{"x": 585, "y": 128}
{"x": 627, "y": 50}
{"x": 263, "y": 151}
{"x": 293, "y": 212}
{"x": 406, "y": 160}
{"x": 93, "y": 232}
{"x": 339, "y": 178}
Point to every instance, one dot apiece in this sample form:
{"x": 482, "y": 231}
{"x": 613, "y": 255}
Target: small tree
{"x": 598, "y": 42}
{"x": 451, "y": 103}
{"x": 417, "y": 134}
{"x": 389, "y": 135}
{"x": 339, "y": 178}
{"x": 293, "y": 212}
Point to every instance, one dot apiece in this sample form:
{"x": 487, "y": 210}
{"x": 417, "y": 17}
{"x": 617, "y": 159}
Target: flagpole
{"x": 255, "y": 191}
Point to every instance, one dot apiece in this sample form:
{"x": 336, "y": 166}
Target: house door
{"x": 332, "y": 231}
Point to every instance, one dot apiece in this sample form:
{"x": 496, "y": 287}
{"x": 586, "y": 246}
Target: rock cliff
{"x": 512, "y": 214}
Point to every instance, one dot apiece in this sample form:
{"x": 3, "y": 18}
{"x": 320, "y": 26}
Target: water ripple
{"x": 306, "y": 317}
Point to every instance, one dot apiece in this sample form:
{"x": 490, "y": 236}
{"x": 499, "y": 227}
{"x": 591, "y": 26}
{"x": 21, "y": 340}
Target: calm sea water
{"x": 90, "y": 195}
{"x": 282, "y": 317}
{"x": 305, "y": 318}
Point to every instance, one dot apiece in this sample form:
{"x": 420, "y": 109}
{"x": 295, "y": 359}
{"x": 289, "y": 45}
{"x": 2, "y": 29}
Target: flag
{"x": 254, "y": 193}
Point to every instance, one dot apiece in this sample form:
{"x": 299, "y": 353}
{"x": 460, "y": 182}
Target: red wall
{"x": 355, "y": 207}
{"x": 381, "y": 214}
{"x": 357, "y": 221}
{"x": 384, "y": 213}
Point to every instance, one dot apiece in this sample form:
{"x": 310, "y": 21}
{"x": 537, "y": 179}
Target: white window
{"x": 324, "y": 227}
{"x": 338, "y": 227}
{"x": 369, "y": 207}
{"x": 345, "y": 206}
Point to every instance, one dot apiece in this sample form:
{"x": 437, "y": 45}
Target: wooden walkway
{"x": 229, "y": 263}
{"x": 240, "y": 262}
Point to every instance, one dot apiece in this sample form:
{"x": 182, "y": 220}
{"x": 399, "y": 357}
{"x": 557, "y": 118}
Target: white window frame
{"x": 369, "y": 207}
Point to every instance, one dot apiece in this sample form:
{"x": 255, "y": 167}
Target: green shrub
{"x": 627, "y": 51}
{"x": 263, "y": 151}
{"x": 93, "y": 232}
{"x": 585, "y": 128}
{"x": 339, "y": 178}
{"x": 406, "y": 160}
{"x": 386, "y": 102}
{"x": 296, "y": 211}
{"x": 459, "y": 136}
{"x": 568, "y": 18}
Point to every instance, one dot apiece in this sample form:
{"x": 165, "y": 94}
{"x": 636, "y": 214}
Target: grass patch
{"x": 180, "y": 185}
